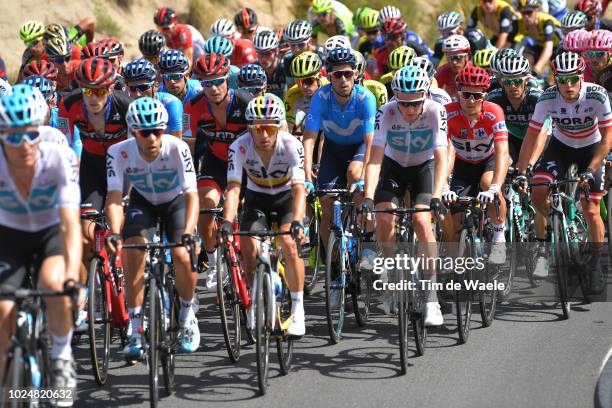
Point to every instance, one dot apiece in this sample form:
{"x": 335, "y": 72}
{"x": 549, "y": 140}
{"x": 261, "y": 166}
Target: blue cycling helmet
{"x": 173, "y": 61}
{"x": 24, "y": 106}
{"x": 146, "y": 113}
{"x": 42, "y": 84}
{"x": 252, "y": 75}
{"x": 139, "y": 70}
{"x": 340, "y": 56}
{"x": 219, "y": 45}
{"x": 410, "y": 79}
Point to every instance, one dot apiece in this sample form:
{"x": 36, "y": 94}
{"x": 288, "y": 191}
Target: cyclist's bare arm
{"x": 309, "y": 140}
{"x": 547, "y": 51}
{"x": 373, "y": 170}
{"x": 502, "y": 162}
{"x": 441, "y": 172}
{"x": 88, "y": 26}
{"x": 451, "y": 159}
{"x": 367, "y": 139}
{"x": 532, "y": 147}
{"x": 298, "y": 193}
{"x": 192, "y": 212}
{"x": 232, "y": 196}
{"x": 603, "y": 149}
{"x": 72, "y": 241}
{"x": 114, "y": 211}
{"x": 501, "y": 40}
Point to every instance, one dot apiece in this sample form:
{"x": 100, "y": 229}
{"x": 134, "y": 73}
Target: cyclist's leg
{"x": 551, "y": 166}
{"x": 499, "y": 222}
{"x": 389, "y": 192}
{"x": 591, "y": 208}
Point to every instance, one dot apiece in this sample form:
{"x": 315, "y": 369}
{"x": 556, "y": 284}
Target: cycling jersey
{"x": 382, "y": 55}
{"x": 344, "y": 126}
{"x": 199, "y": 44}
{"x": 411, "y": 144}
{"x": 446, "y": 79}
{"x": 181, "y": 39}
{"x": 171, "y": 174}
{"x": 277, "y": 82}
{"x": 295, "y": 102}
{"x": 76, "y": 144}
{"x": 244, "y": 52}
{"x": 285, "y": 168}
{"x": 72, "y": 112}
{"x": 422, "y": 49}
{"x": 5, "y": 87}
{"x": 65, "y": 80}
{"x": 439, "y": 95}
{"x": 200, "y": 124}
{"x": 193, "y": 88}
{"x": 517, "y": 120}
{"x": 378, "y": 90}
{"x": 576, "y": 123}
{"x": 55, "y": 185}
{"x": 367, "y": 48}
{"x": 494, "y": 24}
{"x": 546, "y": 29}
{"x": 474, "y": 142}
{"x": 175, "y": 111}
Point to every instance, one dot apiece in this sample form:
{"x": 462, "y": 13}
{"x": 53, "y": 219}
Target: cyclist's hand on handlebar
{"x": 114, "y": 243}
{"x": 357, "y": 186}
{"x": 449, "y": 196}
{"x": 520, "y": 183}
{"x": 587, "y": 178}
{"x": 297, "y": 230}
{"x": 309, "y": 186}
{"x": 486, "y": 196}
{"x": 188, "y": 239}
{"x": 437, "y": 207}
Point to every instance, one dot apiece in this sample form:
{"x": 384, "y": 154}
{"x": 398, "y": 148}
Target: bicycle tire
{"x": 99, "y": 328}
{"x": 609, "y": 222}
{"x": 16, "y": 367}
{"x": 361, "y": 295}
{"x": 312, "y": 271}
{"x": 403, "y": 324}
{"x": 229, "y": 307}
{"x": 514, "y": 240}
{"x": 417, "y": 318}
{"x": 561, "y": 264}
{"x": 488, "y": 298}
{"x": 335, "y": 320}
{"x": 153, "y": 342}
{"x": 464, "y": 297}
{"x": 168, "y": 355}
{"x": 262, "y": 327}
{"x": 284, "y": 344}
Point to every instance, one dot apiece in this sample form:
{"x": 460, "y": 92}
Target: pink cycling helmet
{"x": 600, "y": 40}
{"x": 575, "y": 41}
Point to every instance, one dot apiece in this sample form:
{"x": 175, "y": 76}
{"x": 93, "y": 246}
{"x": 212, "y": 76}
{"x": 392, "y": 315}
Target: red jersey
{"x": 244, "y": 52}
{"x": 181, "y": 39}
{"x": 199, "y": 123}
{"x": 446, "y": 79}
{"x": 64, "y": 80}
{"x": 72, "y": 112}
{"x": 474, "y": 142}
{"x": 382, "y": 60}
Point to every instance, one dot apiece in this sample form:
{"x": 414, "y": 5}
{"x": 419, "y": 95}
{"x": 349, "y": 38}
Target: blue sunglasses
{"x": 213, "y": 82}
{"x": 16, "y": 139}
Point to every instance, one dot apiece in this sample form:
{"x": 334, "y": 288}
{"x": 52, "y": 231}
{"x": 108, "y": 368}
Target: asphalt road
{"x": 529, "y": 357}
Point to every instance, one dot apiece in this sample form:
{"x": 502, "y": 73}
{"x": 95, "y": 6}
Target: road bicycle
{"x": 313, "y": 248}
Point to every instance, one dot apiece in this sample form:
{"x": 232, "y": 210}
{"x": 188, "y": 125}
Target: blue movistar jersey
{"x": 345, "y": 126}
{"x": 77, "y": 145}
{"x": 414, "y": 37}
{"x": 175, "y": 111}
{"x": 193, "y": 88}
{"x": 232, "y": 82}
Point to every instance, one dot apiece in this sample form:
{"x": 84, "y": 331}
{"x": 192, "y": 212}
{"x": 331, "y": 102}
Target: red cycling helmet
{"x": 394, "y": 26}
{"x": 164, "y": 17}
{"x": 46, "y": 69}
{"x": 95, "y": 49}
{"x": 95, "y": 73}
{"x": 211, "y": 65}
{"x": 473, "y": 76}
{"x": 113, "y": 46}
{"x": 589, "y": 7}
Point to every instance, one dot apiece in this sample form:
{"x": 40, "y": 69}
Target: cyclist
{"x": 44, "y": 231}
{"x": 409, "y": 154}
{"x": 280, "y": 189}
{"x": 212, "y": 121}
{"x": 398, "y": 58}
{"x": 378, "y": 89}
{"x": 141, "y": 79}
{"x": 412, "y": 39}
{"x": 174, "y": 69}
{"x": 245, "y": 20}
{"x": 478, "y": 155}
{"x": 243, "y": 53}
{"x": 477, "y": 39}
{"x": 31, "y": 33}
{"x": 146, "y": 160}
{"x": 598, "y": 50}
{"x": 436, "y": 94}
{"x": 456, "y": 49}
{"x": 346, "y": 113}
{"x": 223, "y": 45}
{"x": 53, "y": 31}
{"x": 575, "y": 20}
{"x": 298, "y": 36}
{"x": 266, "y": 45}
{"x": 42, "y": 68}
{"x": 371, "y": 39}
{"x": 329, "y": 21}
{"x": 593, "y": 10}
{"x": 110, "y": 50}
{"x": 395, "y": 36}
{"x": 449, "y": 23}
{"x": 59, "y": 51}
{"x": 151, "y": 43}
{"x": 581, "y": 113}
{"x": 498, "y": 19}
{"x": 181, "y": 37}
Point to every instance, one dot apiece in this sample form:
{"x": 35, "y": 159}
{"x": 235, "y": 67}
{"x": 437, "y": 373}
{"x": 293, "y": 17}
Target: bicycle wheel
{"x": 14, "y": 376}
{"x": 263, "y": 298}
{"x": 229, "y": 307}
{"x": 514, "y": 239}
{"x": 361, "y": 294}
{"x": 154, "y": 341}
{"x": 335, "y": 286}
{"x": 561, "y": 263}
{"x": 488, "y": 297}
{"x": 464, "y": 296}
{"x": 314, "y": 259}
{"x": 403, "y": 324}
{"x": 170, "y": 334}
{"x": 416, "y": 306}
{"x": 99, "y": 320}
{"x": 609, "y": 222}
{"x": 284, "y": 344}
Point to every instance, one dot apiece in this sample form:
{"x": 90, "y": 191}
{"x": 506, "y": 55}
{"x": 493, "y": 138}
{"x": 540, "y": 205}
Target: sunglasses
{"x": 569, "y": 80}
{"x": 267, "y": 53}
{"x": 513, "y": 81}
{"x": 527, "y": 12}
{"x": 144, "y": 133}
{"x": 253, "y": 90}
{"x": 456, "y": 58}
{"x": 16, "y": 139}
{"x": 373, "y": 31}
{"x": 32, "y": 44}
{"x": 348, "y": 74}
{"x": 393, "y": 37}
{"x": 323, "y": 14}
{"x": 411, "y": 104}
{"x": 298, "y": 46}
{"x": 476, "y": 96}
{"x": 213, "y": 82}
{"x": 270, "y": 129}
{"x": 141, "y": 88}
{"x": 172, "y": 77}
{"x": 61, "y": 60}
{"x": 594, "y": 54}
{"x": 97, "y": 92}
{"x": 307, "y": 81}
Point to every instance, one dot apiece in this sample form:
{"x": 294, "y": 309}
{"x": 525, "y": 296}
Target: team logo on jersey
{"x": 237, "y": 113}
{"x": 10, "y": 203}
{"x": 463, "y": 133}
{"x": 499, "y": 126}
{"x": 164, "y": 182}
{"x": 480, "y": 133}
{"x": 4, "y": 266}
{"x": 62, "y": 124}
{"x": 124, "y": 154}
{"x": 42, "y": 199}
{"x": 414, "y": 141}
{"x": 563, "y": 111}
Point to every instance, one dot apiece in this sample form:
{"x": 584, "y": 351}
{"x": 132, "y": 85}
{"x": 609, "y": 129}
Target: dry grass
{"x": 105, "y": 24}
{"x": 200, "y": 16}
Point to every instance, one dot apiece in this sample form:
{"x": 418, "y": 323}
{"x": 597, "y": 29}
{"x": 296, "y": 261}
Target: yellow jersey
{"x": 547, "y": 29}
{"x": 295, "y": 101}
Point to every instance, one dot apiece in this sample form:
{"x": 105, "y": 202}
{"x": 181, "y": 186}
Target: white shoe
{"x": 498, "y": 253}
{"x": 389, "y": 303}
{"x": 189, "y": 334}
{"x": 211, "y": 278}
{"x": 81, "y": 324}
{"x": 297, "y": 328}
{"x": 433, "y": 314}
{"x": 541, "y": 268}
{"x": 367, "y": 259}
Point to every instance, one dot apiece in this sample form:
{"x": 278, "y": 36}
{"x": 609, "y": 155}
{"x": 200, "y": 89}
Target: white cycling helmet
{"x": 567, "y": 63}
{"x": 265, "y": 40}
{"x": 456, "y": 44}
{"x": 423, "y": 63}
{"x": 265, "y": 108}
{"x": 223, "y": 28}
{"x": 410, "y": 79}
{"x": 297, "y": 31}
{"x": 146, "y": 113}
{"x": 336, "y": 41}
{"x": 5, "y": 87}
{"x": 513, "y": 65}
{"x": 387, "y": 13}
{"x": 574, "y": 20}
{"x": 449, "y": 20}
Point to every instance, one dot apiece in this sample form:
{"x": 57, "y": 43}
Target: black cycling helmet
{"x": 173, "y": 61}
{"x": 151, "y": 43}
{"x": 477, "y": 39}
{"x": 246, "y": 19}
{"x": 340, "y": 56}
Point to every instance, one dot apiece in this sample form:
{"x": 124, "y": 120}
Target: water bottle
{"x": 166, "y": 306}
{"x": 35, "y": 373}
{"x": 277, "y": 284}
{"x": 306, "y": 226}
{"x": 478, "y": 246}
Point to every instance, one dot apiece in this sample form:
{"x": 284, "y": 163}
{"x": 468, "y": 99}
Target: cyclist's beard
{"x": 340, "y": 93}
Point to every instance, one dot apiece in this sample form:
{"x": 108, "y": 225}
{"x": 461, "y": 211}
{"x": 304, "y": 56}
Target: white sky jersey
{"x": 198, "y": 42}
{"x": 439, "y": 95}
{"x": 55, "y": 185}
{"x": 411, "y": 145}
{"x": 577, "y": 124}
{"x": 171, "y": 173}
{"x": 53, "y": 135}
{"x": 286, "y": 165}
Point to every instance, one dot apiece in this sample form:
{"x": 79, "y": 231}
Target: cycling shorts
{"x": 514, "y": 148}
{"x": 259, "y": 206}
{"x": 92, "y": 180}
{"x": 21, "y": 251}
{"x": 213, "y": 172}
{"x": 141, "y": 218}
{"x": 335, "y": 160}
{"x": 395, "y": 181}
{"x": 558, "y": 157}
{"x": 466, "y": 178}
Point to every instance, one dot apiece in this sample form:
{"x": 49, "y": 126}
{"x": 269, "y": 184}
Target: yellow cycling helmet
{"x": 57, "y": 47}
{"x": 306, "y": 64}
{"x": 529, "y": 4}
{"x": 266, "y": 108}
{"x": 31, "y": 31}
{"x": 321, "y": 6}
{"x": 400, "y": 57}
{"x": 361, "y": 64}
{"x": 54, "y": 31}
{"x": 482, "y": 58}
